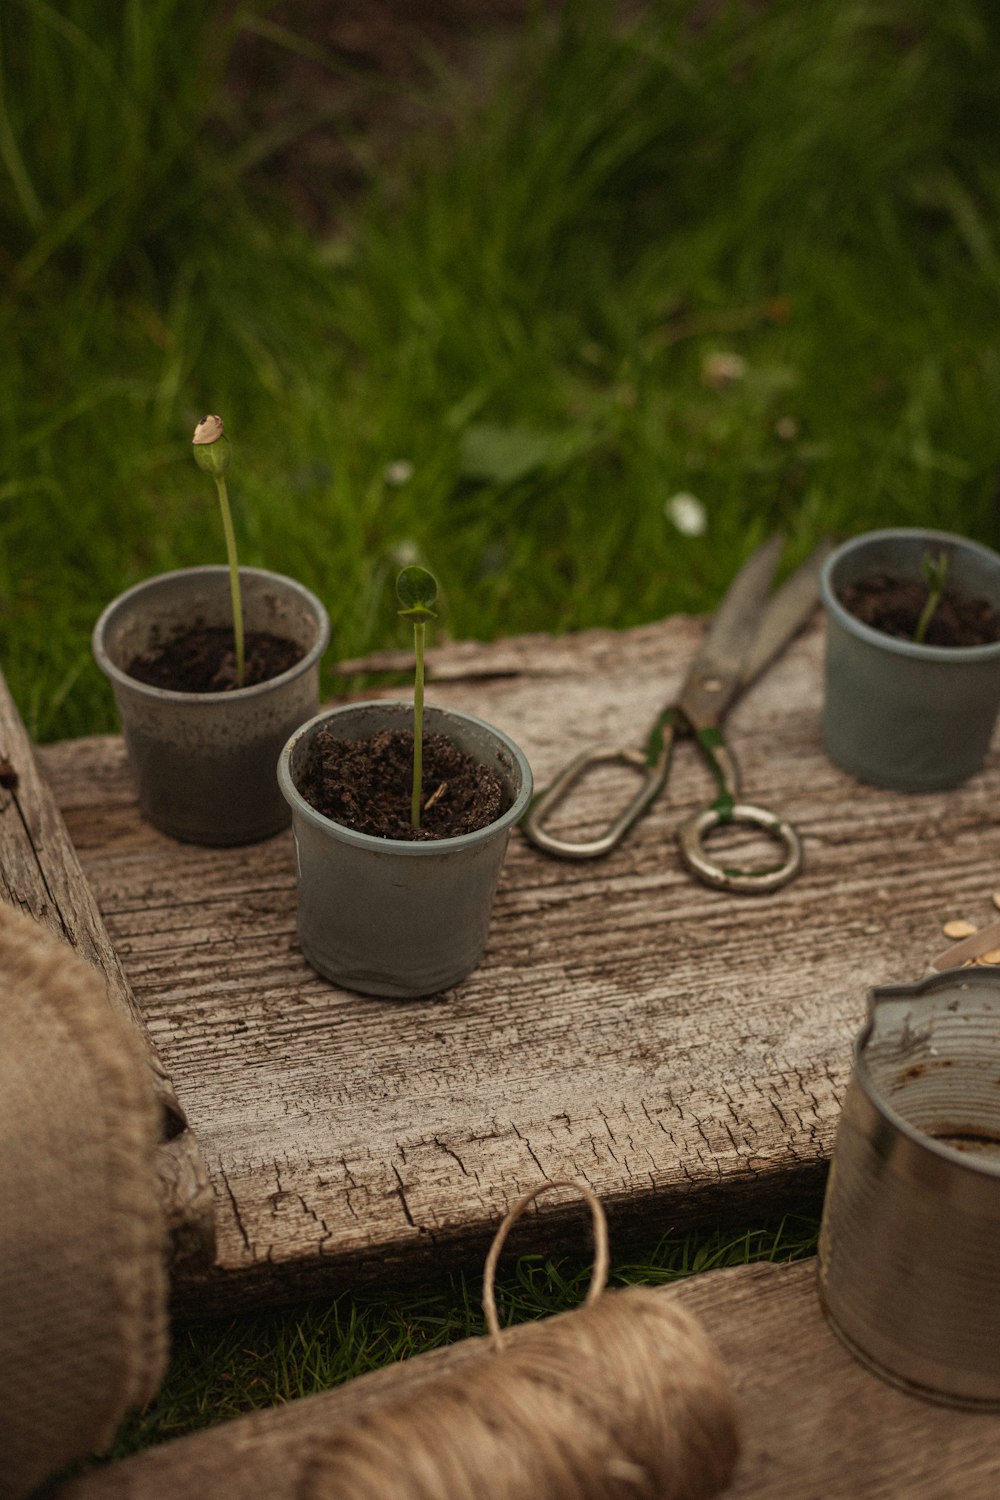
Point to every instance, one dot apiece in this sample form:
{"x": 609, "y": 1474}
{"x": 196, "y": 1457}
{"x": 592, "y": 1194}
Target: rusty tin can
{"x": 909, "y": 1252}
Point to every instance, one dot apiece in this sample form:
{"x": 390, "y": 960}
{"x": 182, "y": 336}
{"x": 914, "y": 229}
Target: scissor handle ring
{"x": 533, "y": 823}
{"x": 691, "y": 836}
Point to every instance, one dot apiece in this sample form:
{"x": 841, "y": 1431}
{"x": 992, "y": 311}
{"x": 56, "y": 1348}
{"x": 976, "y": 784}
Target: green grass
{"x": 223, "y": 1369}
{"x": 521, "y": 309}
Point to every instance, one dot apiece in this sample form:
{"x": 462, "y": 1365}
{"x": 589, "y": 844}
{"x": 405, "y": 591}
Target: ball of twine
{"x": 623, "y": 1398}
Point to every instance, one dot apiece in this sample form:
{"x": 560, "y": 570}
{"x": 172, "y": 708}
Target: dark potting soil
{"x": 894, "y": 606}
{"x": 365, "y": 784}
{"x": 203, "y": 660}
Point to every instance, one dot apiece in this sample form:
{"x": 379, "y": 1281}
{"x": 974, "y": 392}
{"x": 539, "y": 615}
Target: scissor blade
{"x": 715, "y": 673}
{"x": 785, "y": 614}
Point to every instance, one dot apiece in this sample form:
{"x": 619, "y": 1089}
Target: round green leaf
{"x": 416, "y": 590}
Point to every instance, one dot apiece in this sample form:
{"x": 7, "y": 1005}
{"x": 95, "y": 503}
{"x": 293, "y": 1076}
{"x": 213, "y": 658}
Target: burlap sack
{"x": 83, "y": 1320}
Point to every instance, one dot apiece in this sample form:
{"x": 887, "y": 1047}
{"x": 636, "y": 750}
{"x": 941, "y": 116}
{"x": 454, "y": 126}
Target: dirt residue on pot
{"x": 366, "y": 785}
{"x": 894, "y": 605}
{"x": 203, "y": 660}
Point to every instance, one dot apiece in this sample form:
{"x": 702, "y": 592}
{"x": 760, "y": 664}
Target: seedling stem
{"x": 212, "y": 453}
{"x": 416, "y": 590}
{"x": 934, "y": 570}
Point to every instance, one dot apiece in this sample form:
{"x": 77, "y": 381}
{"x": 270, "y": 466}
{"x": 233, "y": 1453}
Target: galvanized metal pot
{"x": 909, "y": 1251}
{"x": 898, "y": 714}
{"x": 390, "y": 916}
{"x": 204, "y": 763}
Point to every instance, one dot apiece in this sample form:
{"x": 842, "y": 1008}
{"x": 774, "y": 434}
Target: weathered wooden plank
{"x": 40, "y": 873}
{"x": 537, "y": 655}
{"x": 683, "y": 1050}
{"x": 814, "y": 1421}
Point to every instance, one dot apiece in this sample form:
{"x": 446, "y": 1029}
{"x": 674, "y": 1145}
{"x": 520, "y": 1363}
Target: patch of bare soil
{"x": 894, "y": 605}
{"x": 203, "y": 660}
{"x": 366, "y": 785}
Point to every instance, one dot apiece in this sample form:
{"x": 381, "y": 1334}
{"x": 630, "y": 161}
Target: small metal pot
{"x": 909, "y": 1251}
{"x": 897, "y": 714}
{"x": 204, "y": 763}
{"x": 390, "y": 916}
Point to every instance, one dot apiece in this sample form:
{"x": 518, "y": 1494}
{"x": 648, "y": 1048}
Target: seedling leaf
{"x": 416, "y": 590}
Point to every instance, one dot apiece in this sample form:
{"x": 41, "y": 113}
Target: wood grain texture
{"x": 814, "y": 1421}
{"x": 682, "y": 1050}
{"x": 40, "y": 874}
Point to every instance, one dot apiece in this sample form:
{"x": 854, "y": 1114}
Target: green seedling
{"x": 212, "y": 453}
{"x": 416, "y": 590}
{"x": 934, "y": 570}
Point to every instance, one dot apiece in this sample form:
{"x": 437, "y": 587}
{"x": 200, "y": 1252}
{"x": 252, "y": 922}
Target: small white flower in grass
{"x": 399, "y": 472}
{"x": 723, "y": 368}
{"x": 786, "y": 428}
{"x": 687, "y": 513}
{"x": 405, "y": 553}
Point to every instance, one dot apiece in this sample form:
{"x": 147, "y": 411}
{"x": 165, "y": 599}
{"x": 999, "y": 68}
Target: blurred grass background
{"x": 494, "y": 348}
{"x": 517, "y": 311}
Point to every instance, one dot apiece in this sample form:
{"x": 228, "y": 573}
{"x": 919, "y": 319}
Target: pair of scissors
{"x": 748, "y": 631}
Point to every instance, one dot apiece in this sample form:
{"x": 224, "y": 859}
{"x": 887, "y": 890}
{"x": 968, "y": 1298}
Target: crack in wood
{"x": 530, "y": 1150}
{"x": 51, "y": 907}
{"x": 234, "y": 1205}
{"x": 449, "y": 1151}
{"x": 401, "y": 1190}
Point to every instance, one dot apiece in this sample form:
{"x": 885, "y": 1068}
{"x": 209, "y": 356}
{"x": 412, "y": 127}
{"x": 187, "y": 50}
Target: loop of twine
{"x": 602, "y": 1259}
{"x": 623, "y": 1398}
